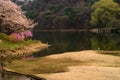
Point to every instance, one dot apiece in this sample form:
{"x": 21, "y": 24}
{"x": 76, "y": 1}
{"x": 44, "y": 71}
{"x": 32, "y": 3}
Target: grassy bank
{"x": 9, "y": 45}
{"x": 10, "y": 49}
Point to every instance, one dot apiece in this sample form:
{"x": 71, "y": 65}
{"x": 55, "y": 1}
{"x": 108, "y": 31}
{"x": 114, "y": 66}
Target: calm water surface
{"x": 76, "y": 41}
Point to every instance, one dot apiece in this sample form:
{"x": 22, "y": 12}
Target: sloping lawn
{"x": 9, "y": 45}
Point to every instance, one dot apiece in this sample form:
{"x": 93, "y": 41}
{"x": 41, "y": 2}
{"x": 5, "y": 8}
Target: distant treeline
{"x": 73, "y": 14}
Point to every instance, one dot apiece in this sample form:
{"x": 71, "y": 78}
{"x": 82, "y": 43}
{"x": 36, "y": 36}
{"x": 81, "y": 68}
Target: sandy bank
{"x": 91, "y": 66}
{"x": 96, "y": 67}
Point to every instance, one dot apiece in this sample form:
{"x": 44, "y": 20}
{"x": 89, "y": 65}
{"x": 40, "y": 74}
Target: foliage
{"x": 105, "y": 42}
{"x": 91, "y": 2}
{"x": 60, "y": 14}
{"x": 12, "y": 18}
{"x": 10, "y": 45}
{"x": 3, "y": 36}
{"x": 15, "y": 37}
{"x": 27, "y": 34}
{"x": 104, "y": 12}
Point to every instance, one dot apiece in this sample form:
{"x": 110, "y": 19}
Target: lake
{"x": 76, "y": 41}
{"x": 71, "y": 41}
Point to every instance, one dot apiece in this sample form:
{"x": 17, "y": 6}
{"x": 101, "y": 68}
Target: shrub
{"x": 27, "y": 34}
{"x": 3, "y": 36}
{"x": 15, "y": 37}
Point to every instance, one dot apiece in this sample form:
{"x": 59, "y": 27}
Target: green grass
{"x": 9, "y": 45}
{"x": 43, "y": 65}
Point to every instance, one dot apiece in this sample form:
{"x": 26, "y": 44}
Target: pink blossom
{"x": 27, "y": 34}
{"x": 20, "y": 36}
{"x": 17, "y": 36}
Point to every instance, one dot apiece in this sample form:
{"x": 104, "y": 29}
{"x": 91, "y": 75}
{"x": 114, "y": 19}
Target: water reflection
{"x": 106, "y": 42}
{"x": 4, "y": 75}
{"x": 13, "y": 77}
{"x": 76, "y": 41}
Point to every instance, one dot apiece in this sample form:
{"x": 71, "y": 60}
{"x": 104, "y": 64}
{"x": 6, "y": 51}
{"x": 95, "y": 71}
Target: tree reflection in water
{"x": 76, "y": 41}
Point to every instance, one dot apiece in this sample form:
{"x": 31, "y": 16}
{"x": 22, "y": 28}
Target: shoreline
{"x": 68, "y": 30}
{"x": 93, "y": 30}
{"x": 20, "y": 52}
{"x": 94, "y": 60}
{"x": 11, "y": 72}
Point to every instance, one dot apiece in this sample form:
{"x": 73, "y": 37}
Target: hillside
{"x": 73, "y": 14}
{"x": 60, "y": 14}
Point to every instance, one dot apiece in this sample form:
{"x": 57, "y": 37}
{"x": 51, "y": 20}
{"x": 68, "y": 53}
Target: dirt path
{"x": 96, "y": 67}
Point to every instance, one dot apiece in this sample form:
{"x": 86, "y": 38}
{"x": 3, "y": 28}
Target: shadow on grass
{"x": 114, "y": 53}
{"x": 43, "y": 65}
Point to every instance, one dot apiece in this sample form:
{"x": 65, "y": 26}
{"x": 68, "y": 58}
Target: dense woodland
{"x": 73, "y": 14}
